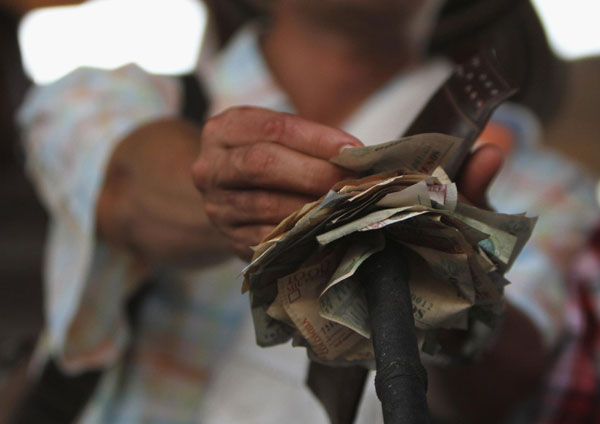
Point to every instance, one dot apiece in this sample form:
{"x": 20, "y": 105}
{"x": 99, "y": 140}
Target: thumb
{"x": 478, "y": 172}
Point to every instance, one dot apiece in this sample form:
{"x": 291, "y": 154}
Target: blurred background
{"x": 42, "y": 40}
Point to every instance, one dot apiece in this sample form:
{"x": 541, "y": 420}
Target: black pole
{"x": 401, "y": 380}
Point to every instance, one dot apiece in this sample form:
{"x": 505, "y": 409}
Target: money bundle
{"x": 303, "y": 280}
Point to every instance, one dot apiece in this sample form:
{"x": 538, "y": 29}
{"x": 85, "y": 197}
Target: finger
{"x": 256, "y": 207}
{"x": 275, "y": 167}
{"x": 479, "y": 171}
{"x": 242, "y": 238}
{"x": 250, "y": 235}
{"x": 248, "y": 125}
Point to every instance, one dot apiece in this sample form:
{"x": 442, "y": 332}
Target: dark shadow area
{"x": 22, "y": 228}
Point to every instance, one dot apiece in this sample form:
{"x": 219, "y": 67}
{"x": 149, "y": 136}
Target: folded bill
{"x": 303, "y": 278}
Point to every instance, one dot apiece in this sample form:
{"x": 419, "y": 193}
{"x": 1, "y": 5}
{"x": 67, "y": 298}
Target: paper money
{"x": 358, "y": 252}
{"x": 435, "y": 304}
{"x": 520, "y": 226}
{"x": 422, "y": 153}
{"x": 369, "y": 220}
{"x": 301, "y": 291}
{"x": 303, "y": 278}
{"x": 343, "y": 300}
{"x": 346, "y": 304}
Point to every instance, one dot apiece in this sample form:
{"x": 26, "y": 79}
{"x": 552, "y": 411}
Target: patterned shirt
{"x": 193, "y": 357}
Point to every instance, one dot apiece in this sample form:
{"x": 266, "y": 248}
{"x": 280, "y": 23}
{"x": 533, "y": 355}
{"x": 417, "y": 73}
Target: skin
{"x": 257, "y": 166}
{"x": 252, "y": 167}
{"x": 148, "y": 204}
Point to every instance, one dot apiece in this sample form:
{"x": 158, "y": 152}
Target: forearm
{"x": 148, "y": 204}
{"x": 487, "y": 390}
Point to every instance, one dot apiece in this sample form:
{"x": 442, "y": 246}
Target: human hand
{"x": 257, "y": 166}
{"x": 478, "y": 172}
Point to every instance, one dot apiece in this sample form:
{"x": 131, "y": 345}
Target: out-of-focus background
{"x": 42, "y": 40}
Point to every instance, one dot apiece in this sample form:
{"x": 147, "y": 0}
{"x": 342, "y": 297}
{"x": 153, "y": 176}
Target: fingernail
{"x": 347, "y": 146}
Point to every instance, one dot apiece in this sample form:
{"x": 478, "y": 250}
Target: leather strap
{"x": 464, "y": 104}
{"x": 339, "y": 389}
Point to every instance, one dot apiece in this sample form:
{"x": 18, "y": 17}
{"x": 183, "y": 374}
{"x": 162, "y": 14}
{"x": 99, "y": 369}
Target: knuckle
{"x": 239, "y": 201}
{"x": 223, "y": 125}
{"x": 212, "y": 210}
{"x": 275, "y": 127}
{"x": 231, "y": 119}
{"x": 268, "y": 205}
{"x": 318, "y": 180}
{"x": 255, "y": 206}
{"x": 212, "y": 127}
{"x": 322, "y": 143}
{"x": 257, "y": 162}
{"x": 232, "y": 115}
{"x": 312, "y": 180}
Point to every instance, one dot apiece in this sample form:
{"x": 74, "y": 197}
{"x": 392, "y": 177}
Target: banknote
{"x": 422, "y": 153}
{"x": 343, "y": 300}
{"x": 303, "y": 279}
{"x": 300, "y": 300}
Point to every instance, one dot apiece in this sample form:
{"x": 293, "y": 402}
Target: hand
{"x": 257, "y": 166}
{"x": 478, "y": 172}
{"x": 148, "y": 204}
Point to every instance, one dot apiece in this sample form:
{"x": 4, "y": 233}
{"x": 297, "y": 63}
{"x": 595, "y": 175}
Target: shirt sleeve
{"x": 543, "y": 183}
{"x": 70, "y": 128}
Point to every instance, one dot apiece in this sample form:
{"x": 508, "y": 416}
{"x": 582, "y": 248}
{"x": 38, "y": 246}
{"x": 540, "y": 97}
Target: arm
{"x": 148, "y": 204}
{"x": 70, "y": 131}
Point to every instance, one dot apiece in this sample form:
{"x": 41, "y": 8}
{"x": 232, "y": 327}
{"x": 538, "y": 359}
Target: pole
{"x": 401, "y": 380}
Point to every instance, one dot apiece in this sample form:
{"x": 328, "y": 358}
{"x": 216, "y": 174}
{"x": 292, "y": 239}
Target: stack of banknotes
{"x": 303, "y": 280}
